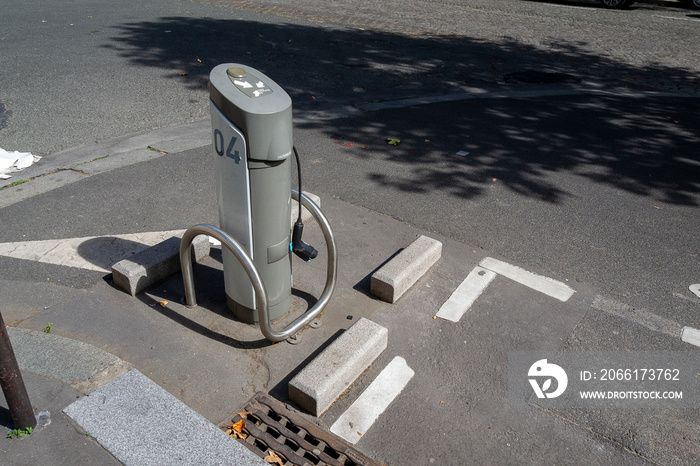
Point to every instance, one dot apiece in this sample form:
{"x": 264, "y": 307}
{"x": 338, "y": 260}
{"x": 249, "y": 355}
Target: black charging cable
{"x": 302, "y": 249}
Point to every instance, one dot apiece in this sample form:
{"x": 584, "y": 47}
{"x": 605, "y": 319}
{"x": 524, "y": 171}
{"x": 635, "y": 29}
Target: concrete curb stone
{"x": 153, "y": 264}
{"x": 325, "y": 378}
{"x": 392, "y": 280}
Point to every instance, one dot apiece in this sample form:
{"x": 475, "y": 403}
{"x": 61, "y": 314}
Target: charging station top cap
{"x": 236, "y": 72}
{"x": 258, "y": 106}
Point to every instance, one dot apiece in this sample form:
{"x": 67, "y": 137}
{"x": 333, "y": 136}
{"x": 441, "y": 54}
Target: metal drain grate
{"x": 272, "y": 427}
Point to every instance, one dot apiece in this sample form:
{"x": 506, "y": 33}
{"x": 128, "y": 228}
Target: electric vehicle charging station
{"x": 252, "y": 145}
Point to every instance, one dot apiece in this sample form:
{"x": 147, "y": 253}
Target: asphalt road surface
{"x": 90, "y": 71}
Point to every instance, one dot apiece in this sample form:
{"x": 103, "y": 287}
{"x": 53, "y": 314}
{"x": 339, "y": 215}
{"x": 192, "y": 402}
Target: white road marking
{"x": 464, "y": 296}
{"x": 676, "y": 17}
{"x": 571, "y": 7}
{"x": 474, "y": 93}
{"x": 97, "y": 253}
{"x": 360, "y": 416}
{"x": 690, "y": 299}
{"x": 477, "y": 93}
{"x": 695, "y": 289}
{"x": 640, "y": 316}
{"x": 545, "y": 285}
{"x": 691, "y": 335}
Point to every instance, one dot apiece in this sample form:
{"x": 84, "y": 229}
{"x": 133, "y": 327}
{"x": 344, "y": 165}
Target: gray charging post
{"x": 252, "y": 143}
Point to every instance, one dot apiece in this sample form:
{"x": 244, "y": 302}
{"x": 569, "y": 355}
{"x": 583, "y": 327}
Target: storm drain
{"x": 269, "y": 427}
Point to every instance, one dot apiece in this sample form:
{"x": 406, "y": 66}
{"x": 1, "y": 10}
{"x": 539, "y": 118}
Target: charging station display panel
{"x": 233, "y": 190}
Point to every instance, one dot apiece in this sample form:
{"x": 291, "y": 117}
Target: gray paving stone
{"x": 153, "y": 264}
{"x": 56, "y": 357}
{"x": 393, "y": 279}
{"x": 325, "y": 378}
{"x": 142, "y": 424}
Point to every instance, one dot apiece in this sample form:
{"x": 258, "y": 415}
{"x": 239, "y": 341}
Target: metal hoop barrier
{"x": 258, "y": 286}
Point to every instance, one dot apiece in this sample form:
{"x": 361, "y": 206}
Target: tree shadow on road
{"x": 604, "y": 138}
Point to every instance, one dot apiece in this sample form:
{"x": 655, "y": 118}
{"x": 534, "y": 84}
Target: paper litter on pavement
{"x": 14, "y": 161}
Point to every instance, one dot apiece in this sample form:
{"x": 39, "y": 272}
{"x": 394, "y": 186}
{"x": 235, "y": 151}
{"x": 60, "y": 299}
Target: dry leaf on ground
{"x": 235, "y": 430}
{"x": 272, "y": 458}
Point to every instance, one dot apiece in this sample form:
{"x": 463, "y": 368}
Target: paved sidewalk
{"x": 96, "y": 407}
{"x": 52, "y": 368}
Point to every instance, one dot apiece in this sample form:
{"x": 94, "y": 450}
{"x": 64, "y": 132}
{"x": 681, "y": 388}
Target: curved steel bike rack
{"x": 258, "y": 286}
